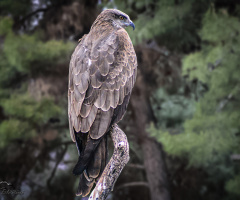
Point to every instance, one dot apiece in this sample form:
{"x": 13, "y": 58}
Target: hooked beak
{"x": 132, "y": 25}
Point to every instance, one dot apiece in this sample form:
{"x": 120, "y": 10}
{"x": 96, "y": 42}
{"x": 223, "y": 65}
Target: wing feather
{"x": 86, "y": 122}
{"x": 93, "y": 67}
{"x": 101, "y": 78}
{"x": 104, "y": 67}
{"x": 121, "y": 95}
{"x": 101, "y": 98}
{"x": 101, "y": 123}
{"x": 91, "y": 95}
{"x": 81, "y": 81}
{"x": 115, "y": 98}
{"x": 85, "y": 110}
{"x": 107, "y": 103}
{"x": 94, "y": 81}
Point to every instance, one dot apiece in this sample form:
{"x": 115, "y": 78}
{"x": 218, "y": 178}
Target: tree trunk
{"x": 152, "y": 153}
{"x": 155, "y": 170}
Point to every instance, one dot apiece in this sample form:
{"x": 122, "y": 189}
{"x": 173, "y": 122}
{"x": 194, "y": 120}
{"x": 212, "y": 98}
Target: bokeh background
{"x": 183, "y": 120}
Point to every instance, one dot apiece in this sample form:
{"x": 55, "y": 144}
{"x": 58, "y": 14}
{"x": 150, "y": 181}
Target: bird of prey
{"x": 102, "y": 73}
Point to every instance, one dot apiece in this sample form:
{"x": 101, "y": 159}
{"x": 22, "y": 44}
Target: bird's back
{"x": 102, "y": 73}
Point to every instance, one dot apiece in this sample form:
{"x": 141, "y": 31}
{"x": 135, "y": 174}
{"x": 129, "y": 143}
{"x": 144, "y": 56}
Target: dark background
{"x": 183, "y": 120}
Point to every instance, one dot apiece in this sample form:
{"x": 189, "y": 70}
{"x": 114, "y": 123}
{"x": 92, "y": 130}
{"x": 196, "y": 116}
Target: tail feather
{"x": 95, "y": 165}
{"x": 104, "y": 156}
{"x": 86, "y": 155}
{"x": 93, "y": 160}
{"x": 84, "y": 186}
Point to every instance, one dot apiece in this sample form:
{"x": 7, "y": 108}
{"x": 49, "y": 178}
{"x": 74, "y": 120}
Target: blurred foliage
{"x": 21, "y": 57}
{"x": 172, "y": 23}
{"x": 27, "y": 54}
{"x": 24, "y": 107}
{"x": 198, "y": 122}
{"x": 212, "y": 135}
{"x": 15, "y": 8}
{"x": 14, "y": 128}
{"x": 33, "y": 104}
{"x": 171, "y": 110}
{"x": 32, "y": 120}
{"x": 25, "y": 116}
{"x": 232, "y": 185}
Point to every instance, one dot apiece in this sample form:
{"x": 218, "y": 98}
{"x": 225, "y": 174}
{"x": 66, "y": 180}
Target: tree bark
{"x": 155, "y": 170}
{"x": 153, "y": 156}
{"x": 114, "y": 167}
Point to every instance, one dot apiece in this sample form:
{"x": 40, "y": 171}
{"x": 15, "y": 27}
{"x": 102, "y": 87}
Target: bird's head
{"x": 118, "y": 18}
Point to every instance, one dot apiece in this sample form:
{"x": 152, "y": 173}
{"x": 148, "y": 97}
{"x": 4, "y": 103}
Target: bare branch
{"x": 133, "y": 184}
{"x": 235, "y": 157}
{"x": 56, "y": 165}
{"x": 21, "y": 21}
{"x": 114, "y": 167}
{"x": 137, "y": 166}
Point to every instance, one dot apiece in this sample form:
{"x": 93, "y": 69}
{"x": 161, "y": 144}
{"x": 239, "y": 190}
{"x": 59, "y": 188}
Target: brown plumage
{"x": 102, "y": 73}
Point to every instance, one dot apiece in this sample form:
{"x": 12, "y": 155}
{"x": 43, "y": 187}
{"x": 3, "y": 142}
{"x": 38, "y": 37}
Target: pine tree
{"x": 21, "y": 57}
{"x": 211, "y": 136}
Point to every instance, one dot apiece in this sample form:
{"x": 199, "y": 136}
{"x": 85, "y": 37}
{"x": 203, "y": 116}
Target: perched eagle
{"x": 102, "y": 73}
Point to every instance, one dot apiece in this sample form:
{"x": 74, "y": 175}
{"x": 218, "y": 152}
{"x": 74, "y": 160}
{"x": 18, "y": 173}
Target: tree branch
{"x": 33, "y": 13}
{"x": 235, "y": 157}
{"x": 114, "y": 167}
{"x": 133, "y": 184}
{"x": 56, "y": 165}
{"x": 137, "y": 166}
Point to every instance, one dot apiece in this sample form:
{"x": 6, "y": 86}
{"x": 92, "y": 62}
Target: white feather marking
{"x": 89, "y": 62}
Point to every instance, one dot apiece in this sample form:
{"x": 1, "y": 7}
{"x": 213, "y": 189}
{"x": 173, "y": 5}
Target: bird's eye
{"x": 121, "y": 17}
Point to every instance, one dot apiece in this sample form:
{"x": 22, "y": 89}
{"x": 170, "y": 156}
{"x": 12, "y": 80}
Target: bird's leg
{"x": 114, "y": 167}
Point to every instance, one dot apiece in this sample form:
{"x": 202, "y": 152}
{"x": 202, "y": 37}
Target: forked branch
{"x": 114, "y": 167}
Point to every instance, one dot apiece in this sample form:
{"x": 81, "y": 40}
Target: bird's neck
{"x": 100, "y": 28}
